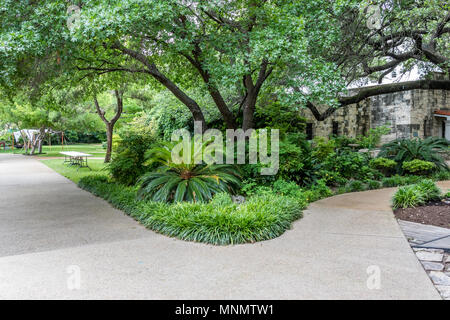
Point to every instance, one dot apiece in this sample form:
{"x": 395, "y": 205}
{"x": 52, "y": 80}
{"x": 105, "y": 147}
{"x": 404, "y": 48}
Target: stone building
{"x": 409, "y": 114}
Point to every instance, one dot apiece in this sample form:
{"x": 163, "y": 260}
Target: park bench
{"x": 75, "y": 158}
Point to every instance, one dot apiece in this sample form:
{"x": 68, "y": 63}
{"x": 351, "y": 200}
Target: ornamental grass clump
{"x": 219, "y": 221}
{"x": 416, "y": 194}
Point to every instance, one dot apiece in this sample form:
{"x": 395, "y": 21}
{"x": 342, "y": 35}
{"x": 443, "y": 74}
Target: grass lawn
{"x": 71, "y": 172}
{"x": 53, "y": 151}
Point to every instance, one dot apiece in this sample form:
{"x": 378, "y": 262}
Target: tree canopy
{"x": 303, "y": 52}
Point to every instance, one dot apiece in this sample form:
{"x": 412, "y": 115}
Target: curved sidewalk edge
{"x": 346, "y": 247}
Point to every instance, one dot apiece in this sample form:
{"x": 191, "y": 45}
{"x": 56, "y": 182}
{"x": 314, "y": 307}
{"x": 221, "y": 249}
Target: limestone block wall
{"x": 394, "y": 111}
{"x": 409, "y": 114}
{"x": 425, "y": 102}
{"x": 352, "y": 120}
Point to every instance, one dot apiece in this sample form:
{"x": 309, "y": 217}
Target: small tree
{"x": 110, "y": 123}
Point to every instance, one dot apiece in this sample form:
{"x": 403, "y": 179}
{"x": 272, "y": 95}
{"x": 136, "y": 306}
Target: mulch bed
{"x": 433, "y": 213}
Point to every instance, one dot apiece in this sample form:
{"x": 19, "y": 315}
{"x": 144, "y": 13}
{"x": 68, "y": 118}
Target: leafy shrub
{"x": 332, "y": 178}
{"x": 416, "y": 194}
{"x": 317, "y": 191}
{"x": 402, "y": 150}
{"x": 373, "y": 138}
{"x": 322, "y": 148}
{"x": 373, "y": 184}
{"x": 285, "y": 188}
{"x": 398, "y": 180}
{"x": 276, "y": 115}
{"x": 185, "y": 181}
{"x": 127, "y": 163}
{"x": 220, "y": 221}
{"x": 355, "y": 186}
{"x": 342, "y": 142}
{"x": 347, "y": 164}
{"x": 386, "y": 166}
{"x": 430, "y": 190}
{"x": 441, "y": 175}
{"x": 417, "y": 166}
{"x": 296, "y": 160}
{"x": 408, "y": 196}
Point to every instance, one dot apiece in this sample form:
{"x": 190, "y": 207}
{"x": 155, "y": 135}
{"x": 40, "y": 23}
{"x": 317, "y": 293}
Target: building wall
{"x": 409, "y": 114}
{"x": 394, "y": 111}
{"x": 352, "y": 121}
{"x": 425, "y": 102}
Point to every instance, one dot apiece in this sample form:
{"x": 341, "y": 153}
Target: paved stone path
{"x": 426, "y": 236}
{"x": 53, "y": 234}
{"x": 437, "y": 264}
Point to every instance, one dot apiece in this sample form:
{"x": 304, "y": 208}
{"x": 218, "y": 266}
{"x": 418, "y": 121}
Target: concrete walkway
{"x": 50, "y": 230}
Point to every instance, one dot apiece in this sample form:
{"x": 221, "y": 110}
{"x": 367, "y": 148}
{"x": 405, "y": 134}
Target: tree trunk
{"x": 41, "y": 139}
{"x": 249, "y": 111}
{"x": 110, "y": 124}
{"x": 109, "y": 139}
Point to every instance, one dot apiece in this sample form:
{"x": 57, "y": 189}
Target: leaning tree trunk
{"x": 110, "y": 124}
{"x": 109, "y": 139}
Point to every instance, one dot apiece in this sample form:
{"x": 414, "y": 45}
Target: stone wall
{"x": 425, "y": 102}
{"x": 409, "y": 114}
{"x": 394, "y": 111}
{"x": 352, "y": 120}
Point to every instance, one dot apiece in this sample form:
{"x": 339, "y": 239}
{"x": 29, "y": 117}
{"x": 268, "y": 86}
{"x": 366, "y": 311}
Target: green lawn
{"x": 71, "y": 172}
{"x": 54, "y": 151}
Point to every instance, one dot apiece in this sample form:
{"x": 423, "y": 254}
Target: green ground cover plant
{"x": 416, "y": 194}
{"x": 219, "y": 222}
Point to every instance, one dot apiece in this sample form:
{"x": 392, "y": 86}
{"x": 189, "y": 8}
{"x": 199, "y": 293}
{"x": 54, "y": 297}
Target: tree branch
{"x": 367, "y": 92}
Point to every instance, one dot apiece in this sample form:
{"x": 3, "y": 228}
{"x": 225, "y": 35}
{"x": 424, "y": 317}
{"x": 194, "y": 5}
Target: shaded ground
{"x": 436, "y": 214}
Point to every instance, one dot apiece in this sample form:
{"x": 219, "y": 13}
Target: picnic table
{"x": 75, "y": 158}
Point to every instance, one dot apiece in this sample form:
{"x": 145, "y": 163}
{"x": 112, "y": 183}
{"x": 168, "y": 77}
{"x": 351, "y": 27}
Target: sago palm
{"x": 402, "y": 150}
{"x": 185, "y": 181}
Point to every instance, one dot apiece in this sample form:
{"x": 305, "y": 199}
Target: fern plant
{"x": 185, "y": 181}
{"x": 402, "y": 150}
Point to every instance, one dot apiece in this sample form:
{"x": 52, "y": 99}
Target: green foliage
{"x": 384, "y": 165}
{"x": 346, "y": 164}
{"x": 418, "y": 167}
{"x": 373, "y": 138}
{"x": 430, "y": 190}
{"x": 441, "y": 175}
{"x": 323, "y": 148}
{"x": 185, "y": 181}
{"x": 416, "y": 194}
{"x": 296, "y": 160}
{"x": 402, "y": 150}
{"x": 127, "y": 163}
{"x": 408, "y": 196}
{"x": 275, "y": 115}
{"x": 398, "y": 180}
{"x": 355, "y": 186}
{"x": 373, "y": 184}
{"x": 219, "y": 222}
{"x": 286, "y": 188}
{"x": 317, "y": 191}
